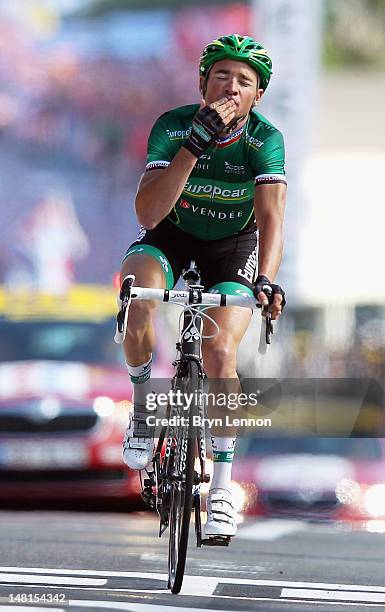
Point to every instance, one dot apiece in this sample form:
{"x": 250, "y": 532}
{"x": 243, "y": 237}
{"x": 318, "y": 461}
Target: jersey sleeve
{"x": 159, "y": 152}
{"x": 269, "y": 162}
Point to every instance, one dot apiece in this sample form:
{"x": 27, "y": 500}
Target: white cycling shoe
{"x": 220, "y": 514}
{"x": 138, "y": 443}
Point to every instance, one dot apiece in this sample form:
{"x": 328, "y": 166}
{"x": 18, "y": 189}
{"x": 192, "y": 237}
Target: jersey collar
{"x": 228, "y": 140}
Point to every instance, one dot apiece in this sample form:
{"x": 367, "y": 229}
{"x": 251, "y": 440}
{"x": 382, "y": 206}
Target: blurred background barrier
{"x": 82, "y": 82}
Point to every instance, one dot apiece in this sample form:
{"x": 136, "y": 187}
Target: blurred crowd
{"x": 318, "y": 361}
{"x": 101, "y": 108}
{"x": 98, "y": 111}
{"x": 78, "y": 120}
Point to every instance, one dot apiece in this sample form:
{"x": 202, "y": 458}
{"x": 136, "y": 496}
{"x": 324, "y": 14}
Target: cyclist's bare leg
{"x": 220, "y": 352}
{"x": 220, "y": 358}
{"x": 139, "y": 342}
{"x": 140, "y": 337}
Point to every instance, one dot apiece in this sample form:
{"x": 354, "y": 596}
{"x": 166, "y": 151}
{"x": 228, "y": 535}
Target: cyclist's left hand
{"x": 269, "y": 295}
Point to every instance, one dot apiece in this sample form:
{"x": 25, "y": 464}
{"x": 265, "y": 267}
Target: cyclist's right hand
{"x": 207, "y": 124}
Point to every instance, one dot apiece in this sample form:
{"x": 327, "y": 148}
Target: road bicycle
{"x": 173, "y": 486}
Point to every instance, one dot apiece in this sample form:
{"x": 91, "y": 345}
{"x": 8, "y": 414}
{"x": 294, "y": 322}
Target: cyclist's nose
{"x": 231, "y": 88}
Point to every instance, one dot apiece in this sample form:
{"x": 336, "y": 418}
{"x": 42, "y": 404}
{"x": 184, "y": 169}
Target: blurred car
{"x": 55, "y": 448}
{"x": 312, "y": 478}
{"x": 64, "y": 398}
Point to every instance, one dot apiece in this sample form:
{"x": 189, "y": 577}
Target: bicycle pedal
{"x": 216, "y": 541}
{"x": 149, "y": 482}
{"x": 149, "y": 498}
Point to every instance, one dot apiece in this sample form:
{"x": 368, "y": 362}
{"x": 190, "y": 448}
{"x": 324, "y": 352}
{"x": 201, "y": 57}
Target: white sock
{"x": 141, "y": 382}
{"x": 223, "y": 455}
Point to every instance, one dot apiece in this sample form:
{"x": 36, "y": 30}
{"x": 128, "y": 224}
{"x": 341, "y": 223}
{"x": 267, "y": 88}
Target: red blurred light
{"x": 116, "y": 280}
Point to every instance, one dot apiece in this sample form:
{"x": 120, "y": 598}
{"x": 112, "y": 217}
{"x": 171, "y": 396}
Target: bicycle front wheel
{"x": 182, "y": 493}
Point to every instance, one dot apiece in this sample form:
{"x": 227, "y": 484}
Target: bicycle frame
{"x": 174, "y": 478}
{"x": 189, "y": 347}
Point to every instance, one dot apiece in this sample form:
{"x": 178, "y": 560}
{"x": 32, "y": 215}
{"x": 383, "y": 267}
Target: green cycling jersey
{"x": 217, "y": 200}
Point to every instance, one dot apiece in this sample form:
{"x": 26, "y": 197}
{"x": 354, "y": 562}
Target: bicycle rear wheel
{"x": 182, "y": 493}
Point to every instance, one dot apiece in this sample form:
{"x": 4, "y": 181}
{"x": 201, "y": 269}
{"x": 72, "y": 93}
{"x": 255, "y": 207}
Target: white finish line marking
{"x": 84, "y": 572}
{"x": 218, "y": 579}
{"x": 33, "y": 579}
{"x": 270, "y": 529}
{"x": 334, "y": 595}
{"x": 136, "y": 607}
{"x": 196, "y": 586}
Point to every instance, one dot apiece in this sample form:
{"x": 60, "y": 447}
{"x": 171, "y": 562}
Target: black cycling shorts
{"x": 227, "y": 265}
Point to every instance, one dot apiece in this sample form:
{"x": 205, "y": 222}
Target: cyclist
{"x": 214, "y": 184}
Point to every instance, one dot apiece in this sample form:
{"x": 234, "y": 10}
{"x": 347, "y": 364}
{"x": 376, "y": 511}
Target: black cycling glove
{"x": 270, "y": 289}
{"x": 206, "y": 127}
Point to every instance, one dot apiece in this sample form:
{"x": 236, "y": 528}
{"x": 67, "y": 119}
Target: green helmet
{"x": 240, "y": 48}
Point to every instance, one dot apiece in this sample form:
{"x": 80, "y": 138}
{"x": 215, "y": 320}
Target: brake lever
{"x": 124, "y": 301}
{"x": 269, "y": 328}
{"x": 267, "y": 321}
{"x": 269, "y": 324}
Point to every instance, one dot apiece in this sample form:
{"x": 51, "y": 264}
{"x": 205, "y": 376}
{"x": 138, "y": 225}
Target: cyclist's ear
{"x": 257, "y": 98}
{"x": 259, "y": 93}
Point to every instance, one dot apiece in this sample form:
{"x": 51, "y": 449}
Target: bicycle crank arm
{"x": 199, "y": 480}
